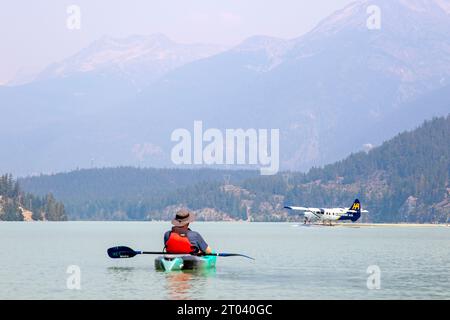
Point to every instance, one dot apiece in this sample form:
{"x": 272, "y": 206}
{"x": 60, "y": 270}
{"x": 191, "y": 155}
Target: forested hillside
{"x": 126, "y": 193}
{"x": 15, "y": 205}
{"x": 406, "y": 179}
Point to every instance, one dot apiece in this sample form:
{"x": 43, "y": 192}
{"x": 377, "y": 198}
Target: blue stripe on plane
{"x": 349, "y": 216}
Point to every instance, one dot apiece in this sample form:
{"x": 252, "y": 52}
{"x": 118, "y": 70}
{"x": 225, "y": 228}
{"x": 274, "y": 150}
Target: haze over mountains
{"x": 331, "y": 91}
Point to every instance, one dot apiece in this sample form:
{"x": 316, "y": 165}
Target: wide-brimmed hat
{"x": 182, "y": 218}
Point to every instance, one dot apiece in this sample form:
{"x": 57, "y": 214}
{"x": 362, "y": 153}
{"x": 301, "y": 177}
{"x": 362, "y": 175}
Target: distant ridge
{"x": 138, "y": 58}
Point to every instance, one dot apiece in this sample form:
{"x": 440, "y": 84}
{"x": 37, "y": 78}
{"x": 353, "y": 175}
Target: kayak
{"x": 187, "y": 262}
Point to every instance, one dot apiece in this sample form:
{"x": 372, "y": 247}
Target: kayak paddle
{"x": 228, "y": 255}
{"x": 125, "y": 252}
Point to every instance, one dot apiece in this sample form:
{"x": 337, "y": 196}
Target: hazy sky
{"x": 33, "y": 34}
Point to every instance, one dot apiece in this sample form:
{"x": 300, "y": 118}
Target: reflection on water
{"x": 174, "y": 285}
{"x": 121, "y": 273}
{"x": 185, "y": 285}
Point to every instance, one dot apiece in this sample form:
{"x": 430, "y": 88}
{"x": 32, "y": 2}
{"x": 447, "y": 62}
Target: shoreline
{"x": 293, "y": 223}
{"x": 396, "y": 225}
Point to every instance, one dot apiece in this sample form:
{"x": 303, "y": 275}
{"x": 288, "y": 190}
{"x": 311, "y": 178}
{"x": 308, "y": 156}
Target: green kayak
{"x": 187, "y": 262}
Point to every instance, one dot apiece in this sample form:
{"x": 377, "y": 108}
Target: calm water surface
{"x": 292, "y": 262}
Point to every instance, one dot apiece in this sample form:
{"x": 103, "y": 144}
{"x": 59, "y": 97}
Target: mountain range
{"x": 335, "y": 90}
{"x": 139, "y": 60}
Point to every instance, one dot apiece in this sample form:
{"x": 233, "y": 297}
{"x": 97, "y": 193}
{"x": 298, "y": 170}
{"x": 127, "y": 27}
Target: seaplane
{"x": 328, "y": 215}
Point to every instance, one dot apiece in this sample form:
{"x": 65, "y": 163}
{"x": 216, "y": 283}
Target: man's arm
{"x": 208, "y": 250}
{"x": 202, "y": 245}
{"x": 166, "y": 237}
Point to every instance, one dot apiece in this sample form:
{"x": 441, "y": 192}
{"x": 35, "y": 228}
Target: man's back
{"x": 194, "y": 237}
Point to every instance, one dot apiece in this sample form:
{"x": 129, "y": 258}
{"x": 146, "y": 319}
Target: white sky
{"x": 33, "y": 34}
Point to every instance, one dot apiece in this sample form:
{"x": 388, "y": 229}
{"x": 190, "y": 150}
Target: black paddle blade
{"x": 234, "y": 255}
{"x": 121, "y": 252}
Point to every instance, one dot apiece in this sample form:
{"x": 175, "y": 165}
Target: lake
{"x": 292, "y": 262}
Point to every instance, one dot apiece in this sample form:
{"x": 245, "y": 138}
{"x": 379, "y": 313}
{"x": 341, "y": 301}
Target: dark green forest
{"x": 16, "y": 205}
{"x": 127, "y": 193}
{"x": 403, "y": 180}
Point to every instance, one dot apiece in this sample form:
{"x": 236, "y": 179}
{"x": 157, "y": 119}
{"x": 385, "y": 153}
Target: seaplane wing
{"x": 304, "y": 209}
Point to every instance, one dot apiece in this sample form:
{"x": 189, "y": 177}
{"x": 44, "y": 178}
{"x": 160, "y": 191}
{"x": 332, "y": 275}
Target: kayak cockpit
{"x": 185, "y": 262}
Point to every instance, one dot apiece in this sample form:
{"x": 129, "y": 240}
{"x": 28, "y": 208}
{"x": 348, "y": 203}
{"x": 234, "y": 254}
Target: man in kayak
{"x": 181, "y": 239}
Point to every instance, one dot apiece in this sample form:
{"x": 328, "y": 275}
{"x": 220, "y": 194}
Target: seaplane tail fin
{"x": 356, "y": 210}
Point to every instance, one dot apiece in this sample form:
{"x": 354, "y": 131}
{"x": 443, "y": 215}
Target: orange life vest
{"x": 178, "y": 242}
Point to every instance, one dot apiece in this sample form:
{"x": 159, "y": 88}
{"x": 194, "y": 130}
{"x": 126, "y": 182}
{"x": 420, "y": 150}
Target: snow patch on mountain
{"x": 145, "y": 58}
